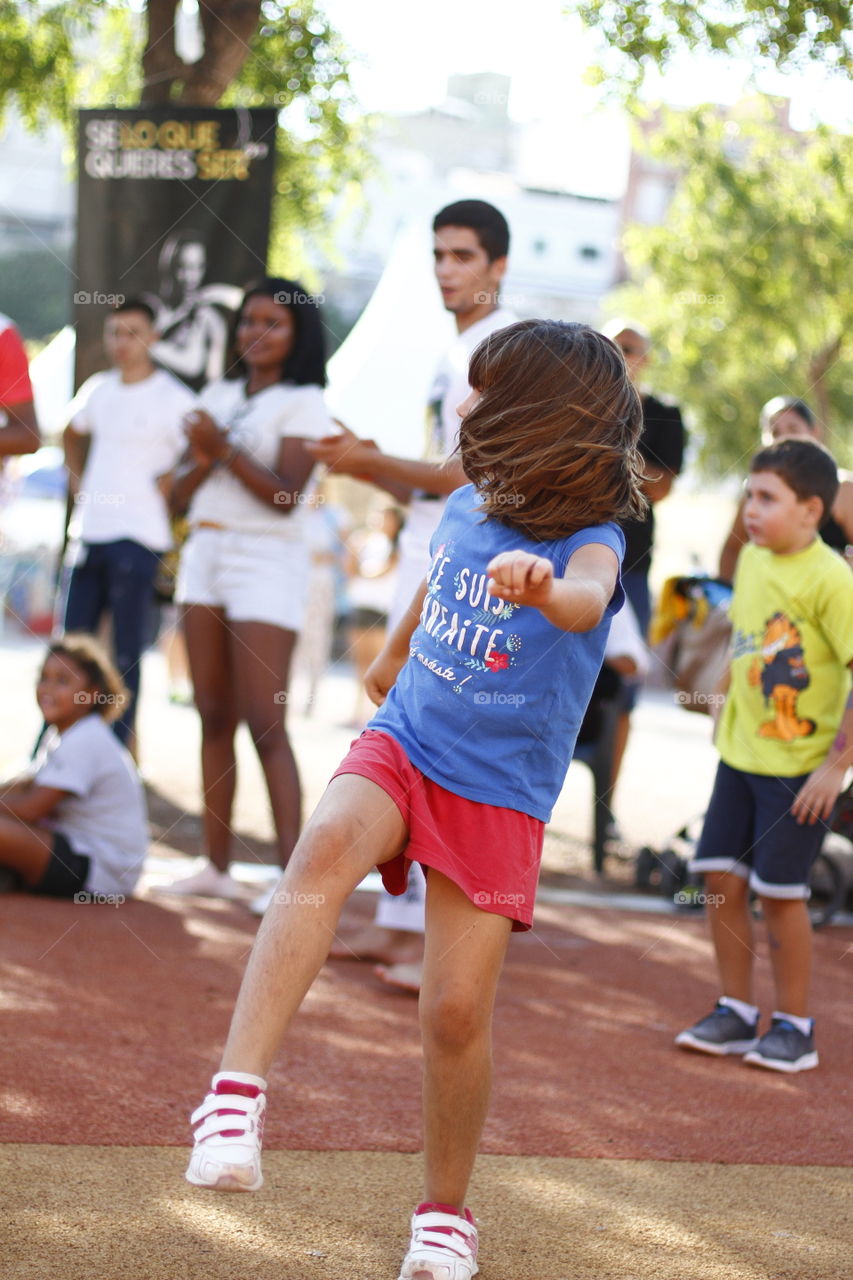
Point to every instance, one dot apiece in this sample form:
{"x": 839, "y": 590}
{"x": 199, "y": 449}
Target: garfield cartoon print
{"x": 782, "y": 673}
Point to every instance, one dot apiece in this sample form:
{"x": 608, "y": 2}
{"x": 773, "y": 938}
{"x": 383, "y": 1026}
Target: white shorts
{"x": 252, "y": 577}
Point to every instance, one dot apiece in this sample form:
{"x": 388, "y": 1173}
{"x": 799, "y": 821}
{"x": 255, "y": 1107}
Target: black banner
{"x": 174, "y": 207}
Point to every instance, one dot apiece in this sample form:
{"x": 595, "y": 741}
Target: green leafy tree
{"x": 641, "y": 34}
{"x": 746, "y": 285}
{"x": 71, "y": 53}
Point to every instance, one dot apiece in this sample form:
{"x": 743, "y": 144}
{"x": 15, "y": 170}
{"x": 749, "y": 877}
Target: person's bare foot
{"x": 405, "y": 977}
{"x": 387, "y": 946}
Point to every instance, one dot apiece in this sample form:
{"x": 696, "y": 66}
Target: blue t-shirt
{"x": 492, "y": 697}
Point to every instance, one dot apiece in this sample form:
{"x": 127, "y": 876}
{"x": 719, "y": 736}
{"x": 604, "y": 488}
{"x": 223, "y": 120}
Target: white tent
{"x": 380, "y": 377}
{"x": 52, "y": 376}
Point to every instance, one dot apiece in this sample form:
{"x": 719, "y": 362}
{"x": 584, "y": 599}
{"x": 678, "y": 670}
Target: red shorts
{"x": 492, "y": 854}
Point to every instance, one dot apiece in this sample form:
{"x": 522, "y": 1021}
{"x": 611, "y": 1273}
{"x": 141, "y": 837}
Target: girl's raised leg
{"x": 355, "y": 827}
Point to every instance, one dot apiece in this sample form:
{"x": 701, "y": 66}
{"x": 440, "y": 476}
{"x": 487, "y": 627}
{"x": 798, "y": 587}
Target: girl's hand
{"x": 382, "y": 674}
{"x": 208, "y": 442}
{"x": 522, "y": 578}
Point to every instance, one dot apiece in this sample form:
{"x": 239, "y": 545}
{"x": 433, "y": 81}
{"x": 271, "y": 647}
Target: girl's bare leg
{"x": 207, "y": 635}
{"x": 24, "y": 849}
{"x": 260, "y": 657}
{"x": 355, "y": 827}
{"x": 465, "y": 950}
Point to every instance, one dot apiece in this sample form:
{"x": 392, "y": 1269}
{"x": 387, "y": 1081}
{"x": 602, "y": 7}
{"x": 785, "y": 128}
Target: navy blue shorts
{"x": 66, "y": 872}
{"x": 750, "y": 830}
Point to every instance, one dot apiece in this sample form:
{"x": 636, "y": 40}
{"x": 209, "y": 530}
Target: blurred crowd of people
{"x": 202, "y": 517}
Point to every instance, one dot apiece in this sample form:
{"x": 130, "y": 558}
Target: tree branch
{"x": 228, "y": 27}
{"x": 161, "y": 66}
{"x": 819, "y": 365}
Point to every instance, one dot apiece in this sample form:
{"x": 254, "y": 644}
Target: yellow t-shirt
{"x": 792, "y": 641}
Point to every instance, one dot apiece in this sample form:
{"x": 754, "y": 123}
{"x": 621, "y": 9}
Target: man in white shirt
{"x": 470, "y": 247}
{"x": 124, "y": 435}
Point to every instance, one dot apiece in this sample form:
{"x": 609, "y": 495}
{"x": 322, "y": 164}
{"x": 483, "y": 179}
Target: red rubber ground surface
{"x": 112, "y": 1020}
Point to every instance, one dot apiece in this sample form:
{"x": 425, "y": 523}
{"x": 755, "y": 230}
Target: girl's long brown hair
{"x": 552, "y": 442}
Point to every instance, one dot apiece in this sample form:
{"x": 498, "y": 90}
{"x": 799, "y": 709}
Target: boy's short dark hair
{"x": 805, "y": 466}
{"x": 487, "y": 222}
{"x": 134, "y": 304}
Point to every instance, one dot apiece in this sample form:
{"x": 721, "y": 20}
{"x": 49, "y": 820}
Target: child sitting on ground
{"x": 76, "y": 826}
{"x": 785, "y": 740}
{"x": 482, "y": 689}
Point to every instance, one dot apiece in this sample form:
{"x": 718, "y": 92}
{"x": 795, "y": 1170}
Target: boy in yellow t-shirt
{"x": 785, "y": 739}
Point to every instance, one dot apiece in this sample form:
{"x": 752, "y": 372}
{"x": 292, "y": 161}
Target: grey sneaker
{"x": 722, "y": 1032}
{"x": 784, "y": 1048}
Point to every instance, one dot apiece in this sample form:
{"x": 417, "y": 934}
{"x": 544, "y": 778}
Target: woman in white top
{"x": 243, "y": 576}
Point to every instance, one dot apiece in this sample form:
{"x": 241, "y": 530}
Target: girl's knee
{"x": 324, "y": 850}
{"x": 217, "y": 721}
{"x": 452, "y": 1020}
{"x": 268, "y": 736}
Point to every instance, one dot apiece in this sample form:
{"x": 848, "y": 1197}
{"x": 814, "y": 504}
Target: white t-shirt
{"x": 136, "y": 435}
{"x": 257, "y": 424}
{"x": 449, "y": 389}
{"x": 625, "y": 641}
{"x": 104, "y": 814}
{"x": 374, "y": 583}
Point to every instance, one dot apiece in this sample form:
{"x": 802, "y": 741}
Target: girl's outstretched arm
{"x": 575, "y": 602}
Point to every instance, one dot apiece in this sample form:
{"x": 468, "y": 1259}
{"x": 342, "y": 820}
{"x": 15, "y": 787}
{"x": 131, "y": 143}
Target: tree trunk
{"x": 228, "y": 27}
{"x": 819, "y": 365}
{"x": 161, "y": 66}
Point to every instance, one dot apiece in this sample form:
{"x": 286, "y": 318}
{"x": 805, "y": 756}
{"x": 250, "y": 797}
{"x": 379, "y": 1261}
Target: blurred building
{"x": 564, "y": 252}
{"x": 36, "y": 196}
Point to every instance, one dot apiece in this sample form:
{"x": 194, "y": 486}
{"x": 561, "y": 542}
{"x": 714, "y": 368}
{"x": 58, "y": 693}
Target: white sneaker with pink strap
{"x": 227, "y": 1151}
{"x": 443, "y": 1245}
